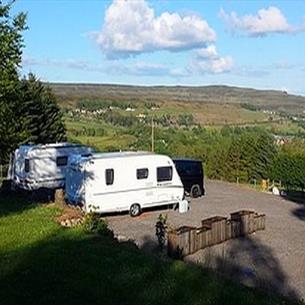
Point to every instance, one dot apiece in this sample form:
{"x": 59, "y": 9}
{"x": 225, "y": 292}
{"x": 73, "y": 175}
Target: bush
{"x": 161, "y": 228}
{"x": 94, "y": 224}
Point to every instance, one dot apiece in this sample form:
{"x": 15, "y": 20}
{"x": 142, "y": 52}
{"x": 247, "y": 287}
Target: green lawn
{"x": 42, "y": 263}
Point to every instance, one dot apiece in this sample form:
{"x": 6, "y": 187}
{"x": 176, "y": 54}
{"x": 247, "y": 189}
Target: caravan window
{"x": 26, "y": 165}
{"x": 109, "y": 173}
{"x": 164, "y": 173}
{"x": 62, "y": 161}
{"x": 142, "y": 173}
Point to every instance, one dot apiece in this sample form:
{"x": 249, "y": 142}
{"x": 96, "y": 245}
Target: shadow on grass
{"x": 16, "y": 201}
{"x": 251, "y": 263}
{"x": 72, "y": 268}
{"x": 299, "y": 198}
{"x": 13, "y": 202}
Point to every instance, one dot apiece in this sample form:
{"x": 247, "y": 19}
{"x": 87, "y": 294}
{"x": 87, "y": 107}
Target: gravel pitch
{"x": 273, "y": 259}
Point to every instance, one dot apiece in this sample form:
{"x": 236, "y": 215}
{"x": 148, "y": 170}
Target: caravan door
{"x": 164, "y": 183}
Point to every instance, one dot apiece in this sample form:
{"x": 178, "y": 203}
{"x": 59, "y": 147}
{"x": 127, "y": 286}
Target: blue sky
{"x": 259, "y": 44}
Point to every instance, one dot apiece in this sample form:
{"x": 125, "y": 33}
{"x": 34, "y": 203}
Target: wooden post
{"x": 228, "y": 230}
{"x": 235, "y": 228}
{"x": 152, "y": 134}
{"x": 193, "y": 240}
{"x": 59, "y": 197}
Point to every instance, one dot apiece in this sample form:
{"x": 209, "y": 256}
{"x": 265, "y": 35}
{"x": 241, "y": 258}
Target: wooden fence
{"x": 187, "y": 240}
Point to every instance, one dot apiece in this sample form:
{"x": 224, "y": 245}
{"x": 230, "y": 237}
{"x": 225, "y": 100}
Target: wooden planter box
{"x": 187, "y": 240}
{"x": 204, "y": 237}
{"x": 246, "y": 219}
{"x": 259, "y": 222}
{"x": 218, "y": 228}
{"x": 181, "y": 242}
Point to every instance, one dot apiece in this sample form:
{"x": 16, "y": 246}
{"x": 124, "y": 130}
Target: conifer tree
{"x": 28, "y": 109}
{"x": 11, "y": 43}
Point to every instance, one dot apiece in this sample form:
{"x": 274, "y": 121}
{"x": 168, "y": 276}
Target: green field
{"x": 211, "y": 107}
{"x": 43, "y": 263}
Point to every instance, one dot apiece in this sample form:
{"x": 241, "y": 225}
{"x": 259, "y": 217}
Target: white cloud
{"x": 131, "y": 27}
{"x": 208, "y": 52}
{"x": 207, "y": 60}
{"x": 265, "y": 21}
{"x": 216, "y": 65}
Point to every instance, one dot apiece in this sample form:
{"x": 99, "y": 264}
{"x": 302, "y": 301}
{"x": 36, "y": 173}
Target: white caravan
{"x": 43, "y": 166}
{"x": 123, "y": 181}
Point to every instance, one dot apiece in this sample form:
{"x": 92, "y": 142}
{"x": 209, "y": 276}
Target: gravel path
{"x": 273, "y": 259}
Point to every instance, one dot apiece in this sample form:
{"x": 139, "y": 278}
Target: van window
{"x": 189, "y": 168}
{"x": 26, "y": 165}
{"x": 194, "y": 168}
{"x": 62, "y": 161}
{"x": 142, "y": 173}
{"x": 109, "y": 173}
{"x": 164, "y": 173}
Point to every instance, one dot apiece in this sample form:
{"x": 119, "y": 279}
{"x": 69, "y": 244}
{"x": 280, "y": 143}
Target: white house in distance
{"x": 123, "y": 181}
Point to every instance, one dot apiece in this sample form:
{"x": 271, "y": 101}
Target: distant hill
{"x": 265, "y": 99}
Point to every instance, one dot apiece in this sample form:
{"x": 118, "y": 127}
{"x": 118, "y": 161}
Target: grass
{"x": 112, "y": 140}
{"x": 204, "y": 113}
{"x": 107, "y": 143}
{"x": 43, "y": 263}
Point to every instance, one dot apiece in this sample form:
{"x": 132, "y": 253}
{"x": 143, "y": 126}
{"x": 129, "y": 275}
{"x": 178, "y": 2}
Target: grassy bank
{"x": 42, "y": 263}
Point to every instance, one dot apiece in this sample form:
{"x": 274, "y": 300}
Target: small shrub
{"x": 93, "y": 224}
{"x": 102, "y": 228}
{"x": 161, "y": 228}
{"x": 90, "y": 223}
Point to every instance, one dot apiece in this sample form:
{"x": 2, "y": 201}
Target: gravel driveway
{"x": 273, "y": 259}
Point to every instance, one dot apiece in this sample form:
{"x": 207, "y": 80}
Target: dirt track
{"x": 274, "y": 258}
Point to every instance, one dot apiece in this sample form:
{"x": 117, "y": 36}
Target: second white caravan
{"x": 123, "y": 181}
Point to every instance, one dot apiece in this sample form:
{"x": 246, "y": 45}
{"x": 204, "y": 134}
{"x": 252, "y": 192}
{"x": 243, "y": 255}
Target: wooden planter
{"x": 218, "y": 228}
{"x": 204, "y": 237}
{"x": 259, "y": 222}
{"x": 187, "y": 240}
{"x": 246, "y": 219}
{"x": 182, "y": 242}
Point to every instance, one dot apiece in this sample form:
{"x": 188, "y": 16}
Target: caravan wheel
{"x": 135, "y": 210}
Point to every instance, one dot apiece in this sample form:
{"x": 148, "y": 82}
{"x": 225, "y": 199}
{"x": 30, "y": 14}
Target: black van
{"x": 192, "y": 176}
